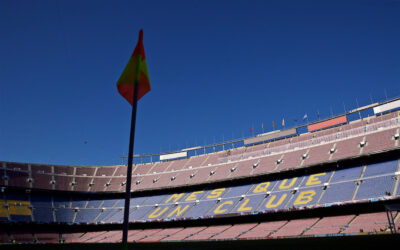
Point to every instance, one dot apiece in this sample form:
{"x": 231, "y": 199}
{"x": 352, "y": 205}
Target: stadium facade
{"x": 333, "y": 178}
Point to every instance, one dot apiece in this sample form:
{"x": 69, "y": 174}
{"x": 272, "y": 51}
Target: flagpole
{"x": 130, "y": 160}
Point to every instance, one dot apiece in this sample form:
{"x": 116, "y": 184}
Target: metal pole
{"x": 129, "y": 170}
{"x": 130, "y": 156}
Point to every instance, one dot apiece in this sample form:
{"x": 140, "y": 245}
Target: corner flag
{"x": 133, "y": 83}
{"x": 135, "y": 70}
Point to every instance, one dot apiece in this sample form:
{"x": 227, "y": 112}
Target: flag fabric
{"x": 283, "y": 122}
{"x": 273, "y": 124}
{"x": 262, "y": 125}
{"x": 135, "y": 71}
{"x": 251, "y": 129}
{"x": 305, "y": 117}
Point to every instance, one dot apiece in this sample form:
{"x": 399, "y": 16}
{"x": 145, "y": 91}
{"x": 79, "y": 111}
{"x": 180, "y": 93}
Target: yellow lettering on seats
{"x": 243, "y": 207}
{"x": 262, "y": 187}
{"x": 313, "y": 179}
{"x": 304, "y": 197}
{"x": 178, "y": 211}
{"x": 3, "y": 211}
{"x": 193, "y": 196}
{"x": 174, "y": 197}
{"x": 271, "y": 200}
{"x": 284, "y": 186}
{"x": 216, "y": 193}
{"x": 156, "y": 213}
{"x": 19, "y": 207}
{"x": 218, "y": 210}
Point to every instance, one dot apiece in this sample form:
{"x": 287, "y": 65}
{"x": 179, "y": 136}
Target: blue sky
{"x": 217, "y": 68}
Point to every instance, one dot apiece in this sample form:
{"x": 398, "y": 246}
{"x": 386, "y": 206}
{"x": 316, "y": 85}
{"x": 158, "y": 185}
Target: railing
{"x": 368, "y": 128}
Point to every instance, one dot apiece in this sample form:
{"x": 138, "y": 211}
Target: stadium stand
{"x": 17, "y": 174}
{"x": 185, "y": 233}
{"x": 263, "y": 230}
{"x": 242, "y": 168}
{"x": 363, "y": 223}
{"x": 85, "y": 179}
{"x": 162, "y": 234}
{"x": 319, "y": 154}
{"x": 266, "y": 164}
{"x": 335, "y": 225}
{"x": 234, "y": 231}
{"x": 327, "y": 174}
{"x": 295, "y": 227}
{"x": 208, "y": 232}
{"x": 330, "y": 225}
{"x": 375, "y": 180}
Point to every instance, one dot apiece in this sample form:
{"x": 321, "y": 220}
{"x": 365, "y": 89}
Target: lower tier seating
{"x": 326, "y": 226}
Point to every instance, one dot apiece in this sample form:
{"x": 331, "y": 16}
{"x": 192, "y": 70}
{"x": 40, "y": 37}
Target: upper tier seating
{"x": 351, "y": 140}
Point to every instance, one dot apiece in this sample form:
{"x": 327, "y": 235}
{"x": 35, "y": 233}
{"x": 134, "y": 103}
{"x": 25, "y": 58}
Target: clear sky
{"x": 217, "y": 68}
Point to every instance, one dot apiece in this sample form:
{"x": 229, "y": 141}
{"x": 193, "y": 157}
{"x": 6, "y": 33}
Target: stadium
{"x": 333, "y": 182}
{"x": 206, "y": 172}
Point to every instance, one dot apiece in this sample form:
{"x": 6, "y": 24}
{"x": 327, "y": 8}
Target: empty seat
{"x": 319, "y": 154}
{"x": 380, "y": 141}
{"x": 105, "y": 171}
{"x": 330, "y": 225}
{"x": 161, "y": 235}
{"x": 263, "y": 230}
{"x": 371, "y": 222}
{"x": 295, "y": 227}
{"x": 139, "y": 235}
{"x": 267, "y": 164}
{"x": 243, "y": 168}
{"x": 375, "y": 187}
{"x": 208, "y": 233}
{"x": 185, "y": 233}
{"x": 17, "y": 175}
{"x": 347, "y": 148}
{"x": 235, "y": 231}
{"x": 292, "y": 159}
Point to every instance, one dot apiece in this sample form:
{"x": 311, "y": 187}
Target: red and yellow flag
{"x": 135, "y": 71}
